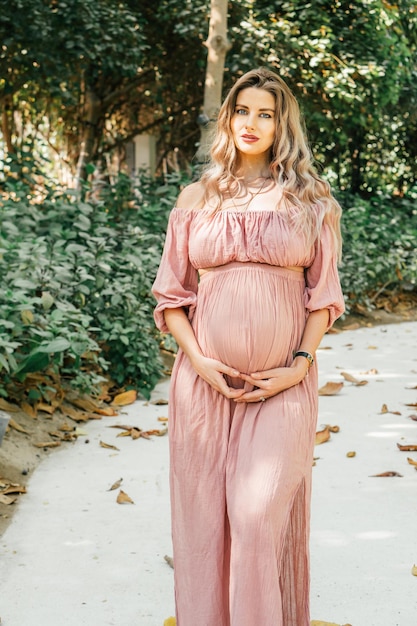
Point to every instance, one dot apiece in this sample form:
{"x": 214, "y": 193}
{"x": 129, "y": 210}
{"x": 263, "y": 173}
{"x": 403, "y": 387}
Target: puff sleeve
{"x": 323, "y": 289}
{"x": 176, "y": 281}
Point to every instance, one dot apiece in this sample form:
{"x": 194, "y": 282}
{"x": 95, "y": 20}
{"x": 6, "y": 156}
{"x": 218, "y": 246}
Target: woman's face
{"x": 253, "y": 121}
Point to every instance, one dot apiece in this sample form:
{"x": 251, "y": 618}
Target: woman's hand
{"x": 213, "y": 372}
{"x": 271, "y": 382}
{"x": 210, "y": 370}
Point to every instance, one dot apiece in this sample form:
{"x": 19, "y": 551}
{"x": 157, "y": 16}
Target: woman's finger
{"x": 265, "y": 374}
{"x": 252, "y": 396}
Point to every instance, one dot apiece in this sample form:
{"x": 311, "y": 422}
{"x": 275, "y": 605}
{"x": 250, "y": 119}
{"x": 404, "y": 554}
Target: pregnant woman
{"x": 247, "y": 285}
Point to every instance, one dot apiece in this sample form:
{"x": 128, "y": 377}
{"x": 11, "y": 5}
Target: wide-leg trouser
{"x": 240, "y": 488}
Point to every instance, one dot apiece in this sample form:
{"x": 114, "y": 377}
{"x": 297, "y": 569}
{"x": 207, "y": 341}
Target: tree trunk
{"x": 7, "y": 123}
{"x": 356, "y": 175}
{"x": 90, "y": 134}
{"x": 217, "y": 45}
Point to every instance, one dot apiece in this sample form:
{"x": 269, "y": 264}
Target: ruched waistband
{"x": 285, "y": 272}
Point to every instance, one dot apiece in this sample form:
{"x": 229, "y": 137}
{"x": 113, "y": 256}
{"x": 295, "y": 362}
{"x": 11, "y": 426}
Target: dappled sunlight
{"x": 375, "y": 535}
{"x": 332, "y": 538}
{"x": 410, "y": 426}
{"x": 382, "y": 435}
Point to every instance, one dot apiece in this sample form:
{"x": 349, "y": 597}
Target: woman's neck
{"x": 250, "y": 170}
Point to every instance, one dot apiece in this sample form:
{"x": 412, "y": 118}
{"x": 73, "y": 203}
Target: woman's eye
{"x": 267, "y": 115}
{"x": 241, "y": 112}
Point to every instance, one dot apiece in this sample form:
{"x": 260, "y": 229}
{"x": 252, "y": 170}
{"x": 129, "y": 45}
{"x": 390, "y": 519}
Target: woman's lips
{"x": 250, "y": 138}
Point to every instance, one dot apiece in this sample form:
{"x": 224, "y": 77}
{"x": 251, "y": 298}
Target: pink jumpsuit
{"x": 240, "y": 474}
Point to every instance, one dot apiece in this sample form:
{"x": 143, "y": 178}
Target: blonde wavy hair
{"x": 291, "y": 162}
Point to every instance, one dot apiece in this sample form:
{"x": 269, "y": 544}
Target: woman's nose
{"x": 250, "y": 124}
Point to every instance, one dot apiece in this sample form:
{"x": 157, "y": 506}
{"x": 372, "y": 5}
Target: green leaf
{"x": 35, "y": 362}
{"x": 24, "y": 283}
{"x": 47, "y": 300}
{"x": 34, "y": 394}
{"x": 57, "y": 345}
{"x": 4, "y": 362}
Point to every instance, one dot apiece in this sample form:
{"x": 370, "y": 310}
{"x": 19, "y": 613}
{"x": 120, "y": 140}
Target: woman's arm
{"x": 316, "y": 325}
{"x": 211, "y": 370}
{"x": 271, "y": 382}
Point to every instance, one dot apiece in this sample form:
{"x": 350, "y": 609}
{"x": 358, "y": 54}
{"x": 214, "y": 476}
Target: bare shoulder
{"x": 191, "y": 197}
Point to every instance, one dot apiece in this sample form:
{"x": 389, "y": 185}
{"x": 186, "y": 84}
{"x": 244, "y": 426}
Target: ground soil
{"x": 20, "y": 455}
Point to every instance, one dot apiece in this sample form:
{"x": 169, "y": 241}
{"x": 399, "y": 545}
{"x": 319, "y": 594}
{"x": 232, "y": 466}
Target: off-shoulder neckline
{"x": 227, "y": 211}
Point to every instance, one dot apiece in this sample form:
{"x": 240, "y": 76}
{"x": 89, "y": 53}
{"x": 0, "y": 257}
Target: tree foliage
{"x": 80, "y": 78}
{"x": 83, "y": 77}
{"x": 76, "y": 304}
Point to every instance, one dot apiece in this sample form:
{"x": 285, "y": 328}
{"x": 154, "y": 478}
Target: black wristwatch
{"x": 307, "y": 355}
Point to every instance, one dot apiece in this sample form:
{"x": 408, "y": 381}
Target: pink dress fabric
{"x": 240, "y": 474}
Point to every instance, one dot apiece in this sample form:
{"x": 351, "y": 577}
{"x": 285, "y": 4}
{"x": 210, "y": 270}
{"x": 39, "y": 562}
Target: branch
{"x": 121, "y": 91}
{"x": 139, "y": 130}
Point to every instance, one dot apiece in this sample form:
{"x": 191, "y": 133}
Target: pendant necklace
{"x": 252, "y": 196}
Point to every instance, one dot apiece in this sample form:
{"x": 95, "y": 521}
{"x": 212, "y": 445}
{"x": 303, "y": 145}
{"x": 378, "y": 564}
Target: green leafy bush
{"x": 76, "y": 306}
{"x": 379, "y": 247}
{"x": 75, "y": 303}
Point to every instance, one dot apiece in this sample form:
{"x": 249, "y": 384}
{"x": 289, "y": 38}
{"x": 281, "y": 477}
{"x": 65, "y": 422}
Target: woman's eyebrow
{"x": 243, "y": 106}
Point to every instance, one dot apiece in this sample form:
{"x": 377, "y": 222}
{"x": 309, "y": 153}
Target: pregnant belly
{"x": 249, "y": 315}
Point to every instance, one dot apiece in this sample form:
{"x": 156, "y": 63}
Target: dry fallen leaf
{"x": 107, "y": 411}
{"x": 66, "y": 428}
{"x": 135, "y": 432}
{"x": 352, "y": 379}
{"x": 170, "y": 621}
{"x": 9, "y": 491}
{"x": 371, "y": 371}
{"x": 322, "y": 435}
{"x": 56, "y": 434}
{"x": 159, "y": 432}
{"x": 16, "y": 426}
{"x": 169, "y": 560}
{"x": 351, "y": 454}
{"x": 330, "y": 389}
{"x": 387, "y": 475}
{"x": 7, "y": 500}
{"x": 414, "y": 570}
{"x": 407, "y": 447}
{"x": 333, "y": 429}
{"x": 352, "y": 326}
{"x": 412, "y": 404}
{"x": 123, "y": 498}
{"x": 159, "y": 402}
{"x": 162, "y": 419}
{"x": 7, "y": 406}
{"x": 116, "y": 485}
{"x": 46, "y": 408}
{"x": 13, "y": 488}
{"x": 86, "y": 403}
{"x": 47, "y": 444}
{"x": 413, "y": 417}
{"x": 412, "y": 461}
{"x": 108, "y": 445}
{"x": 385, "y": 409}
{"x": 73, "y": 413}
{"x": 127, "y": 397}
{"x": 28, "y": 409}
